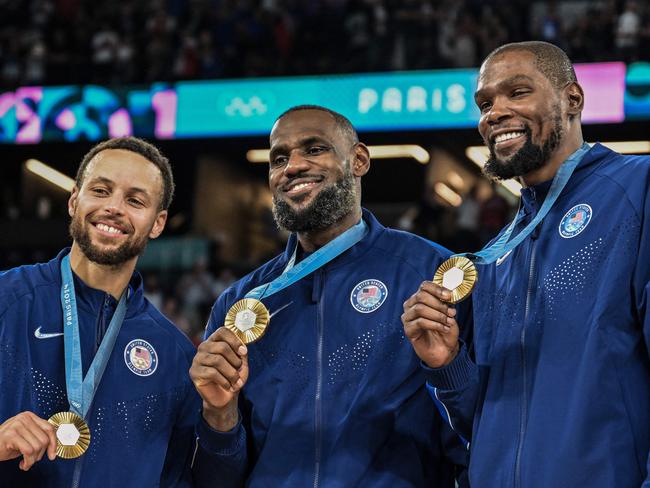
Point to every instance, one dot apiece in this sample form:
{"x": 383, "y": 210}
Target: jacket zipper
{"x": 522, "y": 343}
{"x": 319, "y": 381}
{"x": 99, "y": 335}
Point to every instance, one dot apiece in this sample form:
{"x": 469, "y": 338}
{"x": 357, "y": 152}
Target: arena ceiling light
{"x": 447, "y": 194}
{"x": 50, "y": 174}
{"x": 392, "y": 151}
{"x": 479, "y": 154}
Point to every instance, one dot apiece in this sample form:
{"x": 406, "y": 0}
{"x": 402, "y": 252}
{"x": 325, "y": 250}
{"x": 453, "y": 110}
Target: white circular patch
{"x": 140, "y": 357}
{"x": 368, "y": 296}
{"x": 575, "y": 221}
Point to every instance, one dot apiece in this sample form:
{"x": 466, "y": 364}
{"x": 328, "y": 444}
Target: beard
{"x": 529, "y": 157}
{"x": 133, "y": 247}
{"x": 329, "y": 206}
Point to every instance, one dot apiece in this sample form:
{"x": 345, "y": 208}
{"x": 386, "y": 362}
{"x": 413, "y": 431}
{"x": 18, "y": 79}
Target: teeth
{"x": 506, "y": 136}
{"x": 107, "y": 228}
{"x": 300, "y": 186}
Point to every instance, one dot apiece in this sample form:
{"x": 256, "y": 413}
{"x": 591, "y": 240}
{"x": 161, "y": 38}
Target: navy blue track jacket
{"x": 143, "y": 415}
{"x": 559, "y": 393}
{"x": 335, "y": 396}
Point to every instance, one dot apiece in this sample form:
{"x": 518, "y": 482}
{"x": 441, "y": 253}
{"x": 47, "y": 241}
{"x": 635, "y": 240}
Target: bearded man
{"x": 555, "y": 391}
{"x": 330, "y": 394}
{"x": 83, "y": 347}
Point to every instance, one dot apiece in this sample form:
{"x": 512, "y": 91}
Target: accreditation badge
{"x": 72, "y": 434}
{"x": 247, "y": 319}
{"x": 457, "y": 274}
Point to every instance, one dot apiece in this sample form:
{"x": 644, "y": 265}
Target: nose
{"x": 296, "y": 164}
{"x": 115, "y": 204}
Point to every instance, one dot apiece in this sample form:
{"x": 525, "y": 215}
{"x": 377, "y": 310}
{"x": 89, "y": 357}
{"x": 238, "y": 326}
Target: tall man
{"x": 140, "y": 413}
{"x": 331, "y": 394}
{"x": 558, "y": 392}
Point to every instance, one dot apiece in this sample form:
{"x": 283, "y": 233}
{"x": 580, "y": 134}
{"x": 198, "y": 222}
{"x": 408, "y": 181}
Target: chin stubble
{"x": 115, "y": 257}
{"x": 330, "y": 206}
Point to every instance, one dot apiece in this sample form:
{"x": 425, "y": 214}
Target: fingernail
{"x": 451, "y": 312}
{"x": 450, "y": 321}
{"x": 446, "y": 295}
{"x": 239, "y": 383}
{"x": 242, "y": 350}
{"x": 447, "y": 327}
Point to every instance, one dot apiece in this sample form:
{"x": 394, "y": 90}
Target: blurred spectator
{"x": 79, "y": 41}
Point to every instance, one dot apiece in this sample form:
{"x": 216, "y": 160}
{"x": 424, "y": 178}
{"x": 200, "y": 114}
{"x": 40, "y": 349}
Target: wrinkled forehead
{"x": 123, "y": 166}
{"x": 508, "y": 65}
{"x": 302, "y": 124}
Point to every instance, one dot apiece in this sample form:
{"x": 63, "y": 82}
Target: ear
{"x": 72, "y": 201}
{"x": 576, "y": 99}
{"x": 158, "y": 224}
{"x": 361, "y": 162}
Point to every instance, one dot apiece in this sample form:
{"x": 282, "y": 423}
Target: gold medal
{"x": 458, "y": 275}
{"x": 248, "y": 319}
{"x": 72, "y": 434}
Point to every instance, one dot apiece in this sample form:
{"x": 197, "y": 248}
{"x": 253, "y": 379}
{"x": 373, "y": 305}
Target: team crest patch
{"x": 368, "y": 296}
{"x": 575, "y": 220}
{"x": 140, "y": 357}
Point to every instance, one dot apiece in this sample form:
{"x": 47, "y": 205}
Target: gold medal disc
{"x": 72, "y": 434}
{"x": 248, "y": 319}
{"x": 458, "y": 275}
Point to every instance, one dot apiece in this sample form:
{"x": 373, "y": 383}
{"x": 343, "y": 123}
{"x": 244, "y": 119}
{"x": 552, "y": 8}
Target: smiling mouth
{"x": 508, "y": 136}
{"x": 300, "y": 187}
{"x": 108, "y": 229}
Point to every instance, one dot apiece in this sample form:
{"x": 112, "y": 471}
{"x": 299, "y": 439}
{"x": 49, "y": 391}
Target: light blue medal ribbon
{"x": 503, "y": 244}
{"x": 81, "y": 392}
{"x": 295, "y": 272}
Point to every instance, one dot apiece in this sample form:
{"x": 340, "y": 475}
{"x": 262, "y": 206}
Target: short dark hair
{"x": 342, "y": 122}
{"x": 550, "y": 60}
{"x": 144, "y": 149}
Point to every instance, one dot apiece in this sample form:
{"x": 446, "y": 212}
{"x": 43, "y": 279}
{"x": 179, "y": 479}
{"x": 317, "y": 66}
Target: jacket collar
{"x": 533, "y": 196}
{"x": 375, "y": 229}
{"x": 91, "y": 299}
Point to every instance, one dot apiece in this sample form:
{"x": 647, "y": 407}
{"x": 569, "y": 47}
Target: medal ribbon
{"x": 295, "y": 272}
{"x": 81, "y": 393}
{"x": 503, "y": 244}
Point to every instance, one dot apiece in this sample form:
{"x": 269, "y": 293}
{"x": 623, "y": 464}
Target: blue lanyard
{"x": 81, "y": 393}
{"x": 295, "y": 272}
{"x": 503, "y": 244}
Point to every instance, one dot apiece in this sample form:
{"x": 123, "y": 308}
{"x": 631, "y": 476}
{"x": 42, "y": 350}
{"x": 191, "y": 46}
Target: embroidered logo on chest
{"x": 575, "y": 221}
{"x": 368, "y": 296}
{"x": 140, "y": 357}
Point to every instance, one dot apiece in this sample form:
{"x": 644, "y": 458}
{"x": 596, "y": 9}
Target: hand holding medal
{"x": 429, "y": 322}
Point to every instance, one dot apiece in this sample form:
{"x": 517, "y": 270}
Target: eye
{"x": 520, "y": 92}
{"x": 316, "y": 150}
{"x": 136, "y": 202}
{"x": 278, "y": 161}
{"x": 99, "y": 191}
{"x": 484, "y": 106}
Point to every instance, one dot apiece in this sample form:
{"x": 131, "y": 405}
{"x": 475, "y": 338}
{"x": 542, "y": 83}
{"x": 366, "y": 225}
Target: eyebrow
{"x": 513, "y": 80}
{"x": 108, "y": 181}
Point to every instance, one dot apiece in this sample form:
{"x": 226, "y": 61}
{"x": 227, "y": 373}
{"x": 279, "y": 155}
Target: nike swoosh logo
{"x": 280, "y": 309}
{"x": 503, "y": 258}
{"x": 46, "y": 335}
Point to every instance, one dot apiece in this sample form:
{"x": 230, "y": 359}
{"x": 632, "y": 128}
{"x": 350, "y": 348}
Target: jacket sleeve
{"x": 641, "y": 286}
{"x": 220, "y": 458}
{"x": 455, "y": 387}
{"x": 176, "y": 470}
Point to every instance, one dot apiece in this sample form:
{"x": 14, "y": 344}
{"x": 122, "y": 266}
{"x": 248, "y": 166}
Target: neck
{"x": 111, "y": 279}
{"x": 548, "y": 171}
{"x": 312, "y": 240}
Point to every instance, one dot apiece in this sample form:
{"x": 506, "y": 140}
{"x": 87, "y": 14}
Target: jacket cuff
{"x": 224, "y": 443}
{"x": 453, "y": 376}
